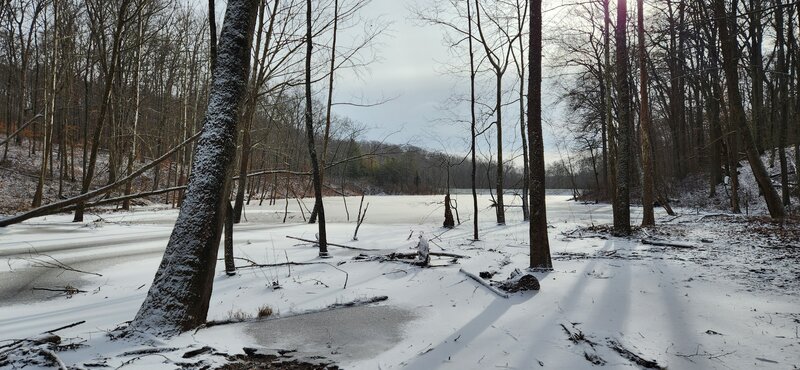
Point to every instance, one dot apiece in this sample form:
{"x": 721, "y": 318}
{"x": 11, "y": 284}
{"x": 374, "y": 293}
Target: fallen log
{"x": 438, "y": 254}
{"x": 58, "y": 206}
{"x": 331, "y": 244}
{"x": 484, "y": 283}
{"x": 668, "y": 243}
{"x": 14, "y": 134}
{"x": 65, "y": 327}
{"x": 67, "y": 290}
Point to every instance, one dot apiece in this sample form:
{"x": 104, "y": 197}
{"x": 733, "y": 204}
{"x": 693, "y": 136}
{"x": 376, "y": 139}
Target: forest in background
{"x": 125, "y": 81}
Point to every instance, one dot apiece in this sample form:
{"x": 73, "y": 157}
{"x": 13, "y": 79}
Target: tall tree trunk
{"x": 326, "y": 136}
{"x": 179, "y": 298}
{"x": 760, "y": 126}
{"x": 737, "y": 115}
{"x": 473, "y": 133}
{"x": 526, "y": 215}
{"x": 137, "y": 104}
{"x": 648, "y": 216}
{"x": 610, "y": 166}
{"x": 500, "y": 207}
{"x": 621, "y": 205}
{"x": 312, "y": 148}
{"x": 539, "y": 243}
{"x": 783, "y": 101}
{"x": 49, "y": 120}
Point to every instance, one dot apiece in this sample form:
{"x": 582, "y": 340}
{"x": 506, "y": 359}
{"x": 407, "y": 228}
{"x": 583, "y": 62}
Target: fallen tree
{"x": 59, "y": 206}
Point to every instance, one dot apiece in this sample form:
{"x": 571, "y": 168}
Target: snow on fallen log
{"x": 668, "y": 243}
{"x": 484, "y": 283}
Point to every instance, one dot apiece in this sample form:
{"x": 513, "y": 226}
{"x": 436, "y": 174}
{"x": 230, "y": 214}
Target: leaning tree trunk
{"x": 540, "y": 245}
{"x": 737, "y": 115}
{"x": 179, "y": 297}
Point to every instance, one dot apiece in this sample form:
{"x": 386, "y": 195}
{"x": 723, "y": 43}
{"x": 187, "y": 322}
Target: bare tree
{"x": 498, "y": 54}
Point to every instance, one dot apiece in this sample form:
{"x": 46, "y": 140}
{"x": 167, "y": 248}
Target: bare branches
{"x": 36, "y": 259}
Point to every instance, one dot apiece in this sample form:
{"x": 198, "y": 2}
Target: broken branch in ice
{"x": 330, "y": 244}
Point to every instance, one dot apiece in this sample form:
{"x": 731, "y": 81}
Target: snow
{"x": 730, "y": 303}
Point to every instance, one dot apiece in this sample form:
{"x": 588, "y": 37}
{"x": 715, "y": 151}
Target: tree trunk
{"x": 312, "y": 148}
{"x": 610, "y": 168}
{"x": 179, "y": 298}
{"x": 760, "y": 126}
{"x": 137, "y": 105}
{"x": 783, "y": 101}
{"x": 539, "y": 243}
{"x": 473, "y": 133}
{"x": 500, "y": 209}
{"x": 526, "y": 215}
{"x": 331, "y": 73}
{"x": 230, "y": 265}
{"x": 621, "y": 205}
{"x": 648, "y": 216}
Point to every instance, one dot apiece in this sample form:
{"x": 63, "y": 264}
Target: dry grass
{"x": 264, "y": 311}
{"x": 238, "y": 315}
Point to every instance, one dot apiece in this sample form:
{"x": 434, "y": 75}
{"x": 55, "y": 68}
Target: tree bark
{"x": 621, "y": 205}
{"x": 539, "y": 243}
{"x": 179, "y": 298}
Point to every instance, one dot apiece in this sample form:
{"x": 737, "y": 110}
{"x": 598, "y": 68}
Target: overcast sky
{"x": 412, "y": 68}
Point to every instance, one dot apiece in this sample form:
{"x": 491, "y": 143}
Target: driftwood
{"x": 485, "y": 283}
{"x": 331, "y": 244}
{"x": 668, "y": 243}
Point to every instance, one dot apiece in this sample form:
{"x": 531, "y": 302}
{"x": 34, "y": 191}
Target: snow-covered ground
{"x": 730, "y": 302}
